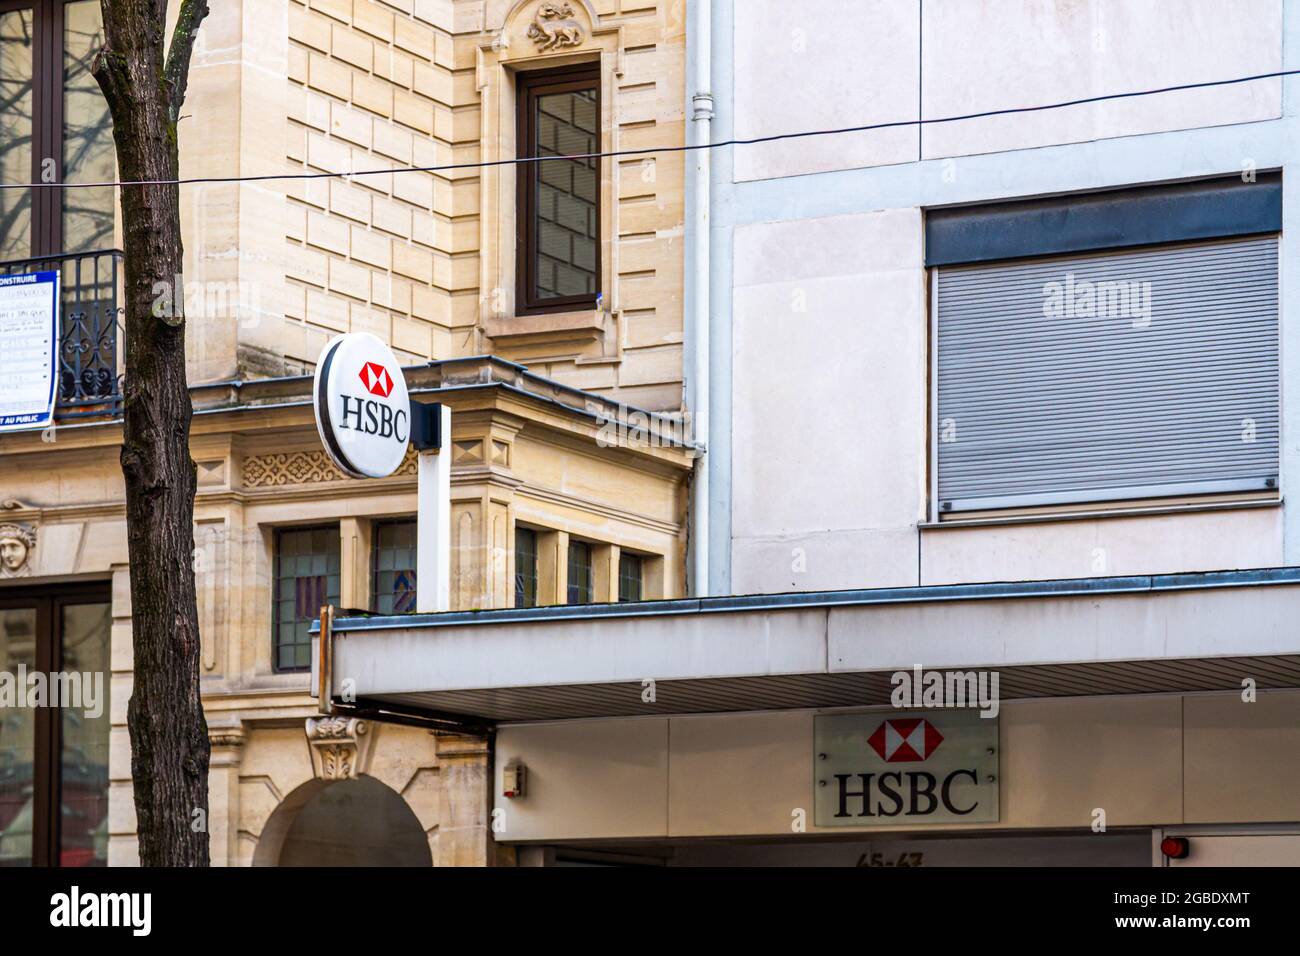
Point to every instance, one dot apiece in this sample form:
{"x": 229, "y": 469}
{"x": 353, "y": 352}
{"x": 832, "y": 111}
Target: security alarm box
{"x": 514, "y": 780}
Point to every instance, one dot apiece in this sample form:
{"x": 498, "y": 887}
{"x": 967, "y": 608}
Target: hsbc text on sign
{"x": 893, "y": 768}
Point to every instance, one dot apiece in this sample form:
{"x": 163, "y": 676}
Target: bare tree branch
{"x": 177, "y": 70}
{"x": 109, "y": 71}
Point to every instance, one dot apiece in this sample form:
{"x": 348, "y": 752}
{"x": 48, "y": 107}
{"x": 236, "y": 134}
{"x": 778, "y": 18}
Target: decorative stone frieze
{"x": 301, "y": 468}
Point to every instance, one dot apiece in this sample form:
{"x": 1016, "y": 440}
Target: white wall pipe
{"x": 700, "y": 72}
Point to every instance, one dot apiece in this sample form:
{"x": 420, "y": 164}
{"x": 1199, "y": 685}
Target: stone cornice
{"x": 481, "y": 383}
{"x": 557, "y": 498}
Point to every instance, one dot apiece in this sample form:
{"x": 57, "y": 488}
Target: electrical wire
{"x": 648, "y": 150}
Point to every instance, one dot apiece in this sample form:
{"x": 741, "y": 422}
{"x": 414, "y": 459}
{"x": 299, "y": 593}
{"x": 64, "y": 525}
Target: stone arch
{"x": 350, "y": 822}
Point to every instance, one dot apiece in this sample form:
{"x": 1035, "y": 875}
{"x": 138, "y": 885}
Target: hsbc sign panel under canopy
{"x": 896, "y": 769}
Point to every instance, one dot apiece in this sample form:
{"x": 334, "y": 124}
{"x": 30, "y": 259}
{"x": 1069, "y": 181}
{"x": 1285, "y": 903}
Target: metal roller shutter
{"x": 1107, "y": 376}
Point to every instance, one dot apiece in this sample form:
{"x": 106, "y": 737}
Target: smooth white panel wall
{"x": 993, "y": 54}
{"x": 829, "y": 402}
{"x": 837, "y": 63}
{"x": 823, "y": 65}
{"x": 1199, "y": 541}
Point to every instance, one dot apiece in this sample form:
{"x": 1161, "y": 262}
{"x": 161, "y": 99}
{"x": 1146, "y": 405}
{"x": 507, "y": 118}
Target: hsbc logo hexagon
{"x": 905, "y": 740}
{"x": 376, "y": 379}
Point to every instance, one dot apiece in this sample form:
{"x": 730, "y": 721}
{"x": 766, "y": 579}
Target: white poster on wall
{"x": 29, "y": 340}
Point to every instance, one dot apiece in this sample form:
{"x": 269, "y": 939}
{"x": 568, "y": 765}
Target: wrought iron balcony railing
{"x": 90, "y": 313}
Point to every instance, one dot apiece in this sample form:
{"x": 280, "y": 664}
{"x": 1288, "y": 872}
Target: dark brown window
{"x": 559, "y": 199}
{"x": 392, "y": 576}
{"x": 580, "y": 584}
{"x": 54, "y": 127}
{"x": 54, "y": 752}
{"x": 525, "y": 567}
{"x": 629, "y": 577}
{"x": 307, "y": 576}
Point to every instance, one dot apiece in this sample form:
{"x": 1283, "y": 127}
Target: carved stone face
{"x": 13, "y": 552}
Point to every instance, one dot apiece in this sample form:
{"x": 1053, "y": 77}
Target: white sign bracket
{"x": 431, "y": 436}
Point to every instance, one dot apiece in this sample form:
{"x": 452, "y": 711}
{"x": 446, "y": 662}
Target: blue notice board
{"x": 29, "y": 350}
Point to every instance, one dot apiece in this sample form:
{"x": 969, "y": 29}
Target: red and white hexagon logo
{"x": 905, "y": 740}
{"x": 376, "y": 379}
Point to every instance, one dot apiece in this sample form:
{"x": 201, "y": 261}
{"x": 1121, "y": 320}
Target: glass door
{"x": 83, "y": 745}
{"x": 55, "y": 676}
{"x": 18, "y": 630}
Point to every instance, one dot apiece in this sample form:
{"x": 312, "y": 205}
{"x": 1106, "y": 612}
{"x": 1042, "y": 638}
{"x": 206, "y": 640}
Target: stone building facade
{"x": 427, "y": 261}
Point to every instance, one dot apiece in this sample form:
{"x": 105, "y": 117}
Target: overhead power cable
{"x": 649, "y": 150}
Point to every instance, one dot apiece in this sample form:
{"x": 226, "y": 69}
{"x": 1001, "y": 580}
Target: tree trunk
{"x": 169, "y": 737}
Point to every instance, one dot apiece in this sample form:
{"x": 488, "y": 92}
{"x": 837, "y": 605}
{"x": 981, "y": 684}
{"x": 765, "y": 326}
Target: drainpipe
{"x": 700, "y": 79}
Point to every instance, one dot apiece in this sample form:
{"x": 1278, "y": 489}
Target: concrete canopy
{"x": 1119, "y": 635}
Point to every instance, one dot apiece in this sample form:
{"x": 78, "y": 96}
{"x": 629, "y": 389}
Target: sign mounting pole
{"x": 431, "y": 436}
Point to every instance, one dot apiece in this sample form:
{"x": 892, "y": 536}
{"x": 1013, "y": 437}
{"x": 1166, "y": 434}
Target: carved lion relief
{"x": 555, "y": 27}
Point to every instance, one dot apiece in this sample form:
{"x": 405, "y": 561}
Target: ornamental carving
{"x": 17, "y": 541}
{"x": 226, "y": 733}
{"x": 340, "y": 746}
{"x": 303, "y": 467}
{"x": 555, "y": 27}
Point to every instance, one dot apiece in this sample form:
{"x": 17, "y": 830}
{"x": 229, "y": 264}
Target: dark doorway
{"x": 357, "y": 822}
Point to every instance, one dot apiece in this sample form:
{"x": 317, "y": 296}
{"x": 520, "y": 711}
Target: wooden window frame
{"x": 47, "y": 745}
{"x": 630, "y": 556}
{"x": 276, "y": 535}
{"x": 531, "y": 86}
{"x": 46, "y": 237}
{"x": 536, "y": 536}
{"x": 590, "y": 589}
{"x": 376, "y": 530}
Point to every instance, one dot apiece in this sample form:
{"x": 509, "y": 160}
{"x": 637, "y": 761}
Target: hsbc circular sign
{"x": 363, "y": 412}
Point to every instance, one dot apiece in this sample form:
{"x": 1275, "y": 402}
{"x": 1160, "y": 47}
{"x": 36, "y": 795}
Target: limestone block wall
{"x": 425, "y": 260}
{"x": 372, "y": 86}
